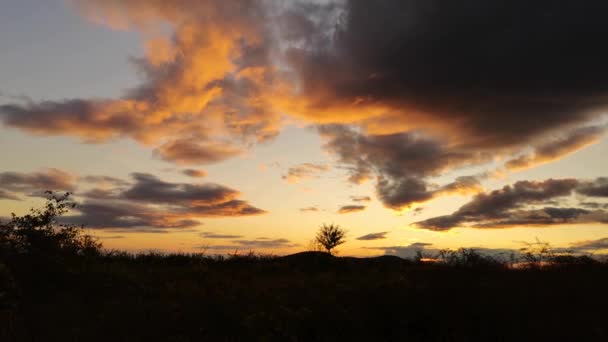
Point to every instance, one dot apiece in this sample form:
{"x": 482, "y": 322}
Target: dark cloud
{"x": 557, "y": 148}
{"x": 195, "y": 173}
{"x": 125, "y": 216}
{"x": 209, "y": 235}
{"x": 597, "y": 188}
{"x": 149, "y": 188}
{"x": 592, "y": 245}
{"x": 373, "y": 236}
{"x": 360, "y": 198}
{"x": 77, "y": 117}
{"x": 491, "y": 73}
{"x": 346, "y": 209}
{"x": 149, "y": 204}
{"x": 309, "y": 209}
{"x": 452, "y": 85}
{"x": 303, "y": 171}
{"x": 513, "y": 205}
{"x": 404, "y": 90}
{"x": 401, "y": 163}
{"x": 13, "y": 184}
{"x": 224, "y": 209}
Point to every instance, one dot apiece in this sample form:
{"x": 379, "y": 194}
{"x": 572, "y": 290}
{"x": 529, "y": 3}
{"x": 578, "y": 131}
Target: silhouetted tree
{"x": 330, "y": 236}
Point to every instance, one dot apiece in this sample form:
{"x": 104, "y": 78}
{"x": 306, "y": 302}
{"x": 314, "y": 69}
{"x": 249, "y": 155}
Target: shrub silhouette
{"x": 330, "y": 236}
{"x": 40, "y": 233}
{"x": 468, "y": 257}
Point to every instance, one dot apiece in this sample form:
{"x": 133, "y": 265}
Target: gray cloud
{"x": 303, "y": 171}
{"x": 360, "y": 198}
{"x": 513, "y": 205}
{"x": 347, "y": 209}
{"x": 401, "y": 163}
{"x": 557, "y": 148}
{"x": 195, "y": 173}
{"x": 151, "y": 204}
{"x": 124, "y": 216}
{"x": 210, "y": 235}
{"x": 591, "y": 245}
{"x": 373, "y": 236}
{"x": 149, "y": 188}
{"x": 597, "y": 188}
{"x": 13, "y": 184}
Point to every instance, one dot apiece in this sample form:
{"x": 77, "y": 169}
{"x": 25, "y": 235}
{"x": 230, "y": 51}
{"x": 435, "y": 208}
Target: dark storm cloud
{"x": 373, "y": 236}
{"x": 445, "y": 85}
{"x": 347, "y": 209}
{"x": 514, "y": 205}
{"x": 494, "y": 73}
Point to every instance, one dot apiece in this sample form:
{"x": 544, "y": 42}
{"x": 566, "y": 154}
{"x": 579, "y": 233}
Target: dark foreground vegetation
{"x": 58, "y": 285}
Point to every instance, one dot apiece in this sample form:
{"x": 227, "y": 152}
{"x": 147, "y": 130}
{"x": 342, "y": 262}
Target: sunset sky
{"x": 221, "y": 125}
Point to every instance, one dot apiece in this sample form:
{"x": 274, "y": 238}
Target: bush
{"x": 40, "y": 233}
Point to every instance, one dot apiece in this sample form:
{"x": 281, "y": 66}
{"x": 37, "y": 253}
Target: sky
{"x": 222, "y": 126}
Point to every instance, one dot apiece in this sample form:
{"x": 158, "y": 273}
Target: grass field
{"x": 304, "y": 297}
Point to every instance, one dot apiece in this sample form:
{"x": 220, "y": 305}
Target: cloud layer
{"x": 145, "y": 203}
{"x": 403, "y": 91}
{"x": 525, "y": 203}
